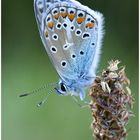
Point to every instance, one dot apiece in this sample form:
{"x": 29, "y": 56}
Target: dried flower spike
{"x": 111, "y": 103}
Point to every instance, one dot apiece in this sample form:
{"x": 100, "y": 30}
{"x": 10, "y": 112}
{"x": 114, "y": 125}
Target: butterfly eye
{"x": 63, "y": 87}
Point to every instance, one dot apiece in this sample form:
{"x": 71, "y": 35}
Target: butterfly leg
{"x": 82, "y": 95}
{"x": 80, "y": 105}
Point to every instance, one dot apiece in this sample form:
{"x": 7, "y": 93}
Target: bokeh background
{"x": 26, "y": 66}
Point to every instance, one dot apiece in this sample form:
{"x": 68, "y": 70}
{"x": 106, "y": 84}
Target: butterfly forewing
{"x": 70, "y": 35}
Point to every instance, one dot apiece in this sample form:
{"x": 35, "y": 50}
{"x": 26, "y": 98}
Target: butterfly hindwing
{"x": 71, "y": 36}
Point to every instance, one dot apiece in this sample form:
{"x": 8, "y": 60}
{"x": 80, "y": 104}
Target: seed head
{"x": 111, "y": 103}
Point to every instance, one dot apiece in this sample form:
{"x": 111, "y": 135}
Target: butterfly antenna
{"x": 32, "y": 92}
{"x": 44, "y": 100}
{"x": 35, "y": 91}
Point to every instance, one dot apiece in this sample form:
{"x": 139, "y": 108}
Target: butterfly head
{"x": 63, "y": 89}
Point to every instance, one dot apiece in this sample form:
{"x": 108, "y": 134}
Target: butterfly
{"x": 72, "y": 36}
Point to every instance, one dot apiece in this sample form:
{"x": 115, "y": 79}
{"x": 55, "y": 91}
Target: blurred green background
{"x": 26, "y": 66}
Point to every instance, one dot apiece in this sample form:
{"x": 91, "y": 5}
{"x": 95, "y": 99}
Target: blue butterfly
{"x": 72, "y": 35}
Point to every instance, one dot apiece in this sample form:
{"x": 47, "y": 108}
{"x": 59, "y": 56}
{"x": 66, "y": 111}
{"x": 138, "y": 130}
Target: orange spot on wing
{"x": 56, "y": 16}
{"x": 50, "y": 24}
{"x": 71, "y": 16}
{"x": 63, "y": 14}
{"x": 80, "y": 20}
{"x": 46, "y": 34}
{"x": 87, "y": 25}
{"x": 91, "y": 25}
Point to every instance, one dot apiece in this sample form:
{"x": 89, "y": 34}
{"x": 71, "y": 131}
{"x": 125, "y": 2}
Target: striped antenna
{"x": 44, "y": 100}
{"x": 36, "y": 90}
